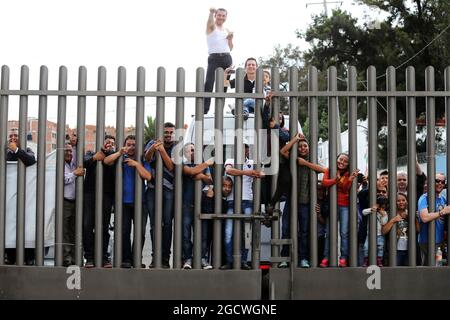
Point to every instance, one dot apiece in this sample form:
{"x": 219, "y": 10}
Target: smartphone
{"x": 232, "y": 71}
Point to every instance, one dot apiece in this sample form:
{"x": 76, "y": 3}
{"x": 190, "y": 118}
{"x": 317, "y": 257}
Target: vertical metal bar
{"x": 218, "y": 165}
{"x": 81, "y": 121}
{"x": 392, "y": 164}
{"x": 139, "y": 184}
{"x": 3, "y": 142}
{"x": 41, "y": 159}
{"x": 373, "y": 133}
{"x": 256, "y": 224}
{"x": 353, "y": 144}
{"x": 160, "y": 109}
{"x": 275, "y": 161}
{"x": 178, "y": 205}
{"x": 293, "y": 129}
{"x": 332, "y": 155}
{"x": 81, "y": 124}
{"x": 61, "y": 138}
{"x": 118, "y": 206}
{"x": 412, "y": 183}
{"x": 198, "y": 160}
{"x": 313, "y": 149}
{"x": 447, "y": 126}
{"x": 99, "y": 137}
{"x": 431, "y": 162}
{"x": 20, "y": 220}
{"x": 238, "y": 164}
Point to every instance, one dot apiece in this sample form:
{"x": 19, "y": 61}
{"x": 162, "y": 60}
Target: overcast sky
{"x": 133, "y": 33}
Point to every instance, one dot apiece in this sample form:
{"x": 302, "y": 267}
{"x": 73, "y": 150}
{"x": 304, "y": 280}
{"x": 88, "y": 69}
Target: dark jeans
{"x": 402, "y": 258}
{"x": 214, "y": 62}
{"x": 188, "y": 224}
{"x": 303, "y": 230}
{"x": 69, "y": 231}
{"x": 89, "y": 224}
{"x": 167, "y": 219}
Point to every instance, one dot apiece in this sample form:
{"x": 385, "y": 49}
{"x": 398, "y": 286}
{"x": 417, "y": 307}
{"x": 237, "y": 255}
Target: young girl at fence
{"x": 401, "y": 220}
{"x": 343, "y": 181}
{"x": 382, "y": 218}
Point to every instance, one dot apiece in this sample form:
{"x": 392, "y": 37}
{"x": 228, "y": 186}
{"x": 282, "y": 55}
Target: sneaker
{"x": 342, "y": 262}
{"x": 107, "y": 264}
{"x": 283, "y": 264}
{"x": 89, "y": 264}
{"x": 151, "y": 265}
{"x": 324, "y": 263}
{"x": 226, "y": 267}
{"x": 206, "y": 265}
{"x": 126, "y": 265}
{"x": 245, "y": 266}
{"x": 166, "y": 264}
{"x": 187, "y": 265}
{"x": 380, "y": 261}
{"x": 304, "y": 263}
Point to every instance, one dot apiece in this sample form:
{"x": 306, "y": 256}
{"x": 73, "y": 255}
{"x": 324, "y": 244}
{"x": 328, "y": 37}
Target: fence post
{"x": 412, "y": 183}
{"x": 431, "y": 163}
{"x": 3, "y": 142}
{"x": 353, "y": 152}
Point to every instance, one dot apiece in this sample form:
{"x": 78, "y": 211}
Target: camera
{"x": 360, "y": 178}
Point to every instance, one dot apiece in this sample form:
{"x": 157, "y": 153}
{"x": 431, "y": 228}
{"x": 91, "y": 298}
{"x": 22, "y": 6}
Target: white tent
{"x": 30, "y": 203}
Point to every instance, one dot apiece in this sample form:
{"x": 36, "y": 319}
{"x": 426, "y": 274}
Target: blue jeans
{"x": 188, "y": 221}
{"x": 380, "y": 246}
{"x": 167, "y": 219}
{"x": 343, "y": 230}
{"x": 247, "y": 208}
{"x": 303, "y": 230}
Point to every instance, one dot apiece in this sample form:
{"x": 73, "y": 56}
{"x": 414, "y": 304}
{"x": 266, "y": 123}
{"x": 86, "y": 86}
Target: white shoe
{"x": 206, "y": 265}
{"x": 187, "y": 265}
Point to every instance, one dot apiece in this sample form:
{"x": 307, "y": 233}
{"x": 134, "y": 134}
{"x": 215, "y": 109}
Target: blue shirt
{"x": 189, "y": 184}
{"x": 422, "y": 204}
{"x": 129, "y": 174}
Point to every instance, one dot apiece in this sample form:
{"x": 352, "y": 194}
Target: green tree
{"x": 415, "y": 32}
{"x": 149, "y": 130}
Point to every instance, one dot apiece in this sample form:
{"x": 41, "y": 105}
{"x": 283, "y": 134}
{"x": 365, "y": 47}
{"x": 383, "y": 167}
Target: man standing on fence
{"x": 220, "y": 44}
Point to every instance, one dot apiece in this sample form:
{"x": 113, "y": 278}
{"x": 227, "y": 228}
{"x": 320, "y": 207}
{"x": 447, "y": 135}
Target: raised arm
{"x": 285, "y": 150}
{"x": 165, "y": 157}
{"x": 27, "y": 157}
{"x": 109, "y": 160}
{"x": 142, "y": 171}
{"x": 210, "y": 22}
{"x": 312, "y": 166}
{"x": 192, "y": 171}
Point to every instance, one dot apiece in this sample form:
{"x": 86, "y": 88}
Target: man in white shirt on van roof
{"x": 220, "y": 44}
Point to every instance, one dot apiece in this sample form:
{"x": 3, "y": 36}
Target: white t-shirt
{"x": 247, "y": 182}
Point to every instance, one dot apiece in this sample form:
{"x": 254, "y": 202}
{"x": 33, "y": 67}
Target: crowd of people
{"x": 220, "y": 43}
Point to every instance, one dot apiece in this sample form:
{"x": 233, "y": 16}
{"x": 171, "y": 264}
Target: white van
{"x": 228, "y": 141}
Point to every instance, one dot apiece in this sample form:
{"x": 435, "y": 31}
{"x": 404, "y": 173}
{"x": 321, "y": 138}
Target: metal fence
{"x": 313, "y": 94}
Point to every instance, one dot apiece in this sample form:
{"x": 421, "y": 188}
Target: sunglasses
{"x": 440, "y": 181}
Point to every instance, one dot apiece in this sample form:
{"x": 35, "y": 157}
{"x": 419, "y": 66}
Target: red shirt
{"x": 343, "y": 187}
